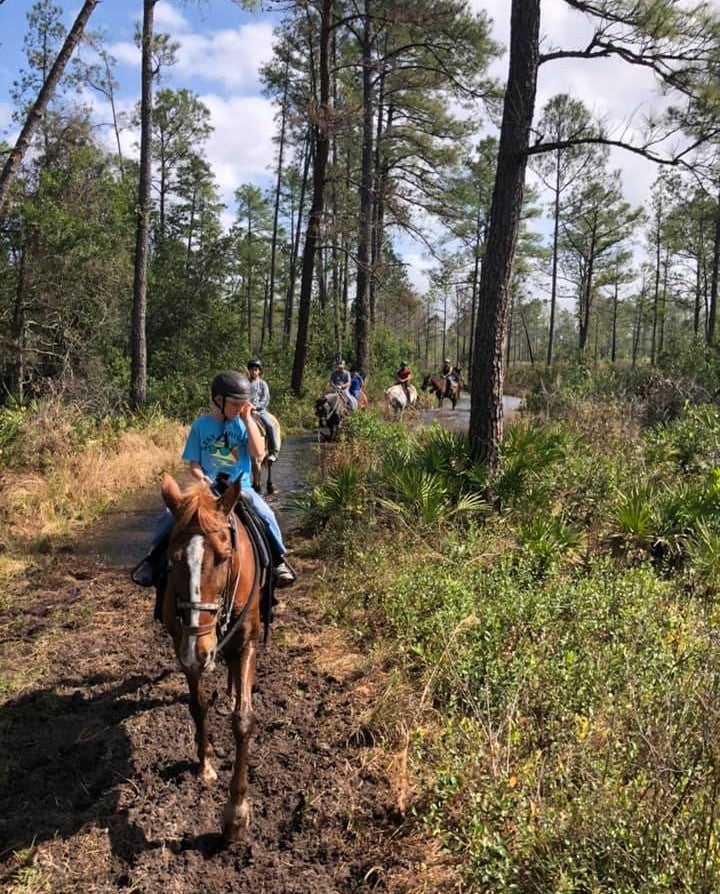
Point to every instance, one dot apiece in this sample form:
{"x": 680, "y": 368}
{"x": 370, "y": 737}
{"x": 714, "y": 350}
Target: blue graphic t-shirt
{"x": 219, "y": 445}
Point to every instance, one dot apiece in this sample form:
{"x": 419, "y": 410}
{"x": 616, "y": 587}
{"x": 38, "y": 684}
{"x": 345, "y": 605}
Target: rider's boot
{"x": 145, "y": 573}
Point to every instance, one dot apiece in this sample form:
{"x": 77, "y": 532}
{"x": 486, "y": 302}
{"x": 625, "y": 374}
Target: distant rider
{"x": 448, "y": 372}
{"x": 356, "y": 383}
{"x": 340, "y": 379}
{"x": 404, "y": 376}
{"x": 260, "y": 398}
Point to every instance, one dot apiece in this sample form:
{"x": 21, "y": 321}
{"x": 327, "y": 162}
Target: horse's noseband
{"x": 223, "y": 606}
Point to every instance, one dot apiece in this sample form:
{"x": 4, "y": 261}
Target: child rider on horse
{"x": 222, "y": 442}
{"x": 260, "y": 398}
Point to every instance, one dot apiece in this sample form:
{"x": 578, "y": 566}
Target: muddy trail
{"x": 97, "y": 789}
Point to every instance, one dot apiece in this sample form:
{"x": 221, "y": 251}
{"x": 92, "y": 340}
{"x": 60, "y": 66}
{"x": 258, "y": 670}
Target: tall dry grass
{"x": 74, "y": 479}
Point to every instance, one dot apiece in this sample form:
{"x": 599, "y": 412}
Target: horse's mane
{"x": 198, "y": 509}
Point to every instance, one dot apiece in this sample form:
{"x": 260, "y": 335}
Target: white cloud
{"x": 230, "y": 57}
{"x": 5, "y": 115}
{"x": 126, "y": 53}
{"x": 240, "y": 148}
{"x": 168, "y": 18}
{"x": 418, "y": 268}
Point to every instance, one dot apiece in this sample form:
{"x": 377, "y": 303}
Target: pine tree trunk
{"x": 292, "y": 267}
{"x": 710, "y": 333}
{"x": 487, "y": 382}
{"x": 314, "y": 227}
{"x": 276, "y": 210}
{"x": 138, "y": 348}
{"x": 362, "y": 295}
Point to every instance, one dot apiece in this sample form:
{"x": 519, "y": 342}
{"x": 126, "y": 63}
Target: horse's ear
{"x": 230, "y": 496}
{"x": 171, "y": 493}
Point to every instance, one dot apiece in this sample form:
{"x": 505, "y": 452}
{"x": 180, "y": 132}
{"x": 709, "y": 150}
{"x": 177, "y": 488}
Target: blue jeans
{"x": 165, "y": 522}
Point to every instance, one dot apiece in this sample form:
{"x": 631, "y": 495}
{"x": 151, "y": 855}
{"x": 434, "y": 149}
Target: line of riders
{"x": 349, "y": 383}
{"x": 222, "y": 444}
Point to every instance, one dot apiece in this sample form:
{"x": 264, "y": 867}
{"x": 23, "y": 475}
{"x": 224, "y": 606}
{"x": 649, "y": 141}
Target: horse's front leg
{"x": 237, "y": 813}
{"x": 198, "y": 710}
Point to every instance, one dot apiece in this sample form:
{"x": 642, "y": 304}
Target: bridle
{"x": 223, "y": 607}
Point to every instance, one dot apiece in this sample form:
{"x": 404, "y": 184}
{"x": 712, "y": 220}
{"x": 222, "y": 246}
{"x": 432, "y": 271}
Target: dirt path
{"x": 97, "y": 790}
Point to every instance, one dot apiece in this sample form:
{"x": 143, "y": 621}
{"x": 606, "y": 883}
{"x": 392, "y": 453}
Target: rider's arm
{"x": 198, "y": 474}
{"x": 256, "y": 442}
{"x": 262, "y": 396}
{"x": 191, "y": 455}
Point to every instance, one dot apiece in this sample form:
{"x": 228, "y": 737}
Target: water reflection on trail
{"x": 120, "y": 538}
{"x": 459, "y": 418}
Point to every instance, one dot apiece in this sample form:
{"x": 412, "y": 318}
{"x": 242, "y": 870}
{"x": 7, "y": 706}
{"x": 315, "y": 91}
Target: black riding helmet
{"x": 229, "y": 383}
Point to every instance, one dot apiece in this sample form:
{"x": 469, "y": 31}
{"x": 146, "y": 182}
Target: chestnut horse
{"x": 441, "y": 388}
{"x": 211, "y": 606}
{"x": 259, "y": 464}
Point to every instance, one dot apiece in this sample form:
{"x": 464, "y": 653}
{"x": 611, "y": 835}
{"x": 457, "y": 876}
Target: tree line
{"x": 123, "y": 280}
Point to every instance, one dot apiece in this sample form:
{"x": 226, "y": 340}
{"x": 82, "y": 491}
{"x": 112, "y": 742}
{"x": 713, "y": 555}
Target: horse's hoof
{"x": 207, "y": 774}
{"x": 236, "y": 821}
{"x": 272, "y": 490}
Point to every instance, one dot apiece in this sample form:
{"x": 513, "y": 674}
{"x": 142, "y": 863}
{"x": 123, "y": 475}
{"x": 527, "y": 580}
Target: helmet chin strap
{"x": 221, "y": 406}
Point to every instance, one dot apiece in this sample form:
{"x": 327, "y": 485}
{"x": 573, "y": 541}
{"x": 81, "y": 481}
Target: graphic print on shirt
{"x": 221, "y": 453}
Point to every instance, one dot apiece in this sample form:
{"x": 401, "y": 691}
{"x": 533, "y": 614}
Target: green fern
{"x": 546, "y": 540}
{"x": 342, "y": 492}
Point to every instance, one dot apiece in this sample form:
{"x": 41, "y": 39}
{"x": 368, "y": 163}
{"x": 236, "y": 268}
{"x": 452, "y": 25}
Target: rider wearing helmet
{"x": 220, "y": 444}
{"x": 260, "y": 398}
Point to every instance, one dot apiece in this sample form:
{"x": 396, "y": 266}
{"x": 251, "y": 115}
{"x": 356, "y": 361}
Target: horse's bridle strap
{"x": 200, "y": 606}
{"x": 200, "y": 629}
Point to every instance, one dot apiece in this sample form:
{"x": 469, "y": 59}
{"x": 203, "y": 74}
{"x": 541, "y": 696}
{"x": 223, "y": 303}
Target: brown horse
{"x": 442, "y": 388}
{"x": 211, "y": 607}
{"x": 259, "y": 464}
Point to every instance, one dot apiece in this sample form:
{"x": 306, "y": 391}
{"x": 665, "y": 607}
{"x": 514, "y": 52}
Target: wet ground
{"x": 121, "y": 537}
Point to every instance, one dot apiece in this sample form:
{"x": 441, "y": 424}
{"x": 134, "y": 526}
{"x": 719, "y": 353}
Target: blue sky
{"x": 222, "y": 47}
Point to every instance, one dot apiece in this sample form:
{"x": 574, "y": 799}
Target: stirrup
{"x": 284, "y": 575}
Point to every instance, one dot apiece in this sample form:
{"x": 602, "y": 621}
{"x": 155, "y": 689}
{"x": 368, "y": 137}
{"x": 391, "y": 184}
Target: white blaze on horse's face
{"x": 194, "y": 559}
